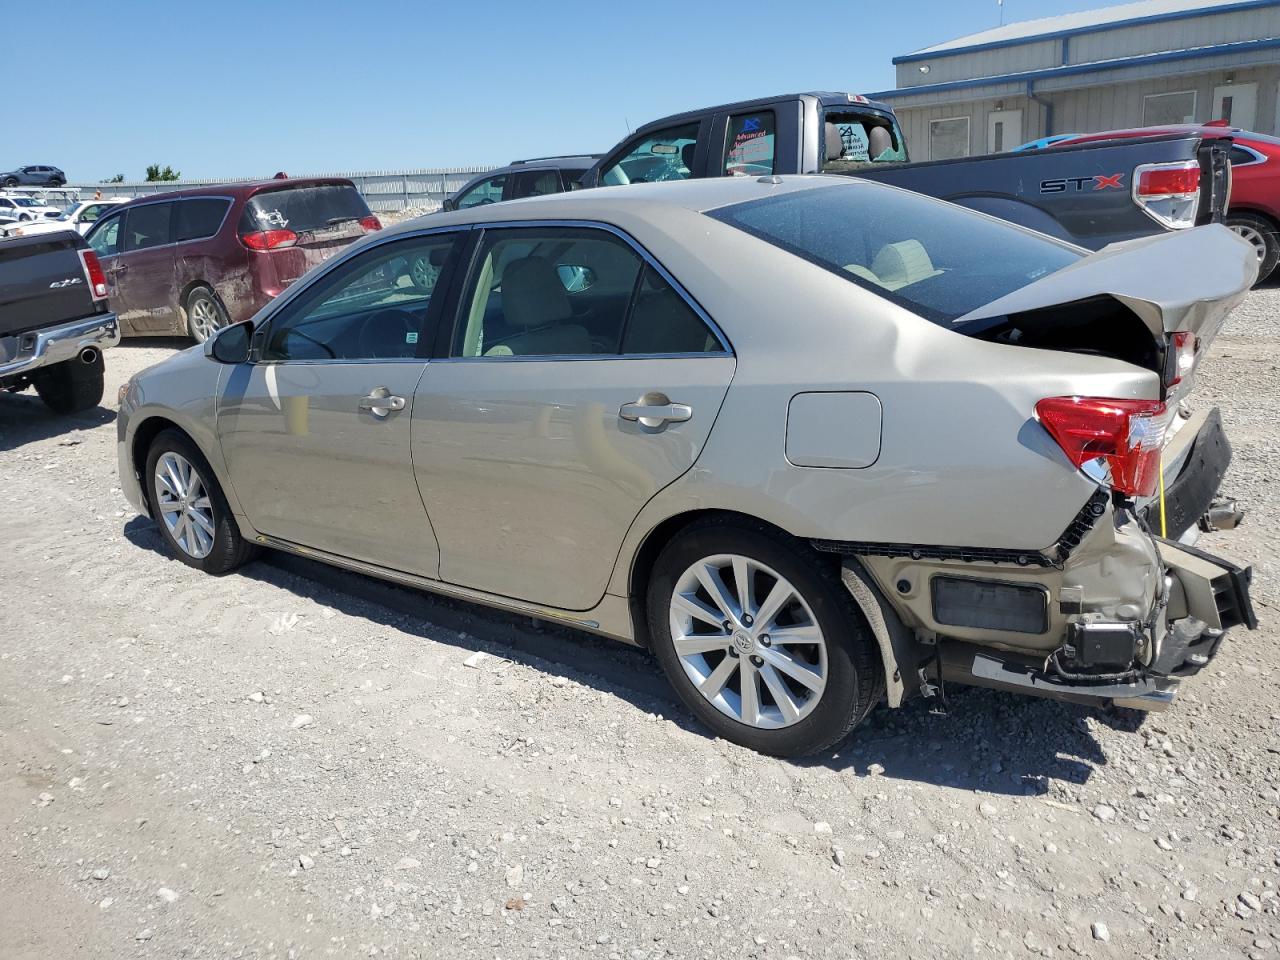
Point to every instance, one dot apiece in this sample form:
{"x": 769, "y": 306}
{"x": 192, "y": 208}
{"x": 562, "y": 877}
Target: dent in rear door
{"x": 530, "y": 475}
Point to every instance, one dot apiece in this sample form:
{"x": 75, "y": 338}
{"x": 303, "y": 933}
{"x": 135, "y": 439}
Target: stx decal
{"x": 1098, "y": 182}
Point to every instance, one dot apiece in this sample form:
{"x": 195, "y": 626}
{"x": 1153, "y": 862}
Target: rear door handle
{"x": 381, "y": 402}
{"x": 654, "y": 409}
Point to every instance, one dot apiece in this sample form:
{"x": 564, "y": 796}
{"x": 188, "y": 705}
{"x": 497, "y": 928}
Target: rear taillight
{"x": 1181, "y": 358}
{"x": 1169, "y": 192}
{"x": 1125, "y": 435}
{"x": 370, "y": 223}
{"x": 269, "y": 239}
{"x": 93, "y": 273}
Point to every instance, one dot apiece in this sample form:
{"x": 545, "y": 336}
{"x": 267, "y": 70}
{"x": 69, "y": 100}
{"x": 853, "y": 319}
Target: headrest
{"x": 686, "y": 155}
{"x": 878, "y": 141}
{"x": 898, "y": 264}
{"x": 532, "y": 294}
{"x": 835, "y": 144}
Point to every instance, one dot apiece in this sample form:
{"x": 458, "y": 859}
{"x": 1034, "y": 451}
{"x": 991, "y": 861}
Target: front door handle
{"x": 381, "y": 402}
{"x": 655, "y": 409}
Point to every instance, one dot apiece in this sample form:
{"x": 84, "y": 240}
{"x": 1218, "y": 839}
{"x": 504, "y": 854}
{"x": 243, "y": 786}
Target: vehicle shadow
{"x": 25, "y": 419}
{"x": 990, "y": 741}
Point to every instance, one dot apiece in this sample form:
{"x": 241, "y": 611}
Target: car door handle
{"x": 653, "y": 410}
{"x": 381, "y": 402}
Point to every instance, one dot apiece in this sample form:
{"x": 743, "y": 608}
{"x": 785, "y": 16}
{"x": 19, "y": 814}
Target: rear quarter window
{"x": 200, "y": 217}
{"x": 303, "y": 209}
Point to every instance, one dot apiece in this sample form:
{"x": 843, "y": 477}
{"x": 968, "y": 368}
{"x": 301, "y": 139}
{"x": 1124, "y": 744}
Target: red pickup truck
{"x": 1254, "y": 208}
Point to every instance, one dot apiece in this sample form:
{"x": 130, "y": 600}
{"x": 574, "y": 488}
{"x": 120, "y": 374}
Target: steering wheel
{"x": 384, "y": 334}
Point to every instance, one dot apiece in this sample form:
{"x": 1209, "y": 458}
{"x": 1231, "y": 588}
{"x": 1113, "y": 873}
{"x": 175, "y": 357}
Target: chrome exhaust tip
{"x": 89, "y": 355}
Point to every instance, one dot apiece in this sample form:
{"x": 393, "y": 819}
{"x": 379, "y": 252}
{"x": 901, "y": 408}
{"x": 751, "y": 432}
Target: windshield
{"x": 25, "y": 202}
{"x": 858, "y": 138}
{"x": 303, "y": 209}
{"x": 936, "y": 259}
{"x": 69, "y": 210}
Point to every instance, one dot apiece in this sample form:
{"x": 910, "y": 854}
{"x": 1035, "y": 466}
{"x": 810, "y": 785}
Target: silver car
{"x": 815, "y": 442}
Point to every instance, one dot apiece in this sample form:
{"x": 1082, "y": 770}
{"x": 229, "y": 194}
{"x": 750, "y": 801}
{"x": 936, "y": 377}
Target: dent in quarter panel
{"x": 839, "y": 430}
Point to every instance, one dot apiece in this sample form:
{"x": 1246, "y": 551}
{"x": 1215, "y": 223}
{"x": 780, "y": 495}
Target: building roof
{"x": 1083, "y": 22}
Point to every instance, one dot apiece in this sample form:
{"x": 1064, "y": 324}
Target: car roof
{"x": 576, "y": 161}
{"x": 245, "y": 189}
{"x": 602, "y": 203}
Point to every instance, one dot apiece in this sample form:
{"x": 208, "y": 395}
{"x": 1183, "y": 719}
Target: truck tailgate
{"x": 42, "y": 282}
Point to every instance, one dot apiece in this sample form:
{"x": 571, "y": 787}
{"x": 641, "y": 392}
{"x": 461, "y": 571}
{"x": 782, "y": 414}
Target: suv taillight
{"x": 1169, "y": 193}
{"x": 370, "y": 223}
{"x": 1126, "y": 435}
{"x": 93, "y": 273}
{"x": 269, "y": 239}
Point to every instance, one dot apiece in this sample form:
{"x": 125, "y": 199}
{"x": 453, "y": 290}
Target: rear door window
{"x": 852, "y": 139}
{"x": 150, "y": 225}
{"x": 750, "y": 145}
{"x": 200, "y": 218}
{"x": 304, "y": 209}
{"x": 662, "y": 155}
{"x": 535, "y": 183}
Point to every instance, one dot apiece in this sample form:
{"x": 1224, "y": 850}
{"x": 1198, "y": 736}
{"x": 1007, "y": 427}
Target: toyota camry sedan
{"x": 816, "y": 443}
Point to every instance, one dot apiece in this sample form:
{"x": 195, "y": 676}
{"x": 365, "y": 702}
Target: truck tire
{"x": 813, "y": 667}
{"x": 1263, "y": 234}
{"x": 205, "y": 315}
{"x": 71, "y": 386}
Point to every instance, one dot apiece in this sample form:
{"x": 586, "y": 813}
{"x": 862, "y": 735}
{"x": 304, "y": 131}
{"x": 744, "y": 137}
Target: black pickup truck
{"x": 1091, "y": 195}
{"x": 54, "y": 320}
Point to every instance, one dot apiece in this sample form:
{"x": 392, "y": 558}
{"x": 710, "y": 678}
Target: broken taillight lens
{"x": 1169, "y": 192}
{"x": 1126, "y": 435}
{"x": 93, "y": 273}
{"x": 269, "y": 239}
{"x": 370, "y": 223}
{"x": 1181, "y": 357}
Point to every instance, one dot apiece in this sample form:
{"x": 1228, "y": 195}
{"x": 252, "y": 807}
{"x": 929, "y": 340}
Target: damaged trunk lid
{"x": 1157, "y": 302}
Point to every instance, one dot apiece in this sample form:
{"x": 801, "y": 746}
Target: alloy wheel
{"x": 1254, "y": 236}
{"x": 184, "y": 506}
{"x": 748, "y": 641}
{"x": 204, "y": 318}
{"x": 423, "y": 273}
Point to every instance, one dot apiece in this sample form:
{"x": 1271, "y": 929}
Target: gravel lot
{"x": 295, "y": 762}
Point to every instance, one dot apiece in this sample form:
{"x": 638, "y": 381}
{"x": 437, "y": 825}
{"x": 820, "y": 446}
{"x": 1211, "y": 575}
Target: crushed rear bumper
{"x": 1196, "y": 460}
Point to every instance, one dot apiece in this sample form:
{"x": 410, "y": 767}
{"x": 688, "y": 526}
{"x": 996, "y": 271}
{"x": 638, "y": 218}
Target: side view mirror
{"x": 230, "y": 344}
{"x": 447, "y": 204}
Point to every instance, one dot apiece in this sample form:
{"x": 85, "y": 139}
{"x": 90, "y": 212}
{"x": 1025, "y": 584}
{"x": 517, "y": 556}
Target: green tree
{"x": 155, "y": 174}
{"x": 118, "y": 178}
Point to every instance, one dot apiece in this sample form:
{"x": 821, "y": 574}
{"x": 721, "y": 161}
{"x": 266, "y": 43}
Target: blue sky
{"x": 231, "y": 88}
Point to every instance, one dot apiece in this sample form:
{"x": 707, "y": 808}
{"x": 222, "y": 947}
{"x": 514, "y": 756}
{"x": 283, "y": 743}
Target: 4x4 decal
{"x": 1096, "y": 182}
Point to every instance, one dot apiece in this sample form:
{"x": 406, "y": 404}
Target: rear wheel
{"x": 760, "y": 640}
{"x": 190, "y": 508}
{"x": 71, "y": 386}
{"x": 1262, "y": 234}
{"x": 205, "y": 315}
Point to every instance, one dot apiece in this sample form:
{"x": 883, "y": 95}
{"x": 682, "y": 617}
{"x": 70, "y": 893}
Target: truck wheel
{"x": 1264, "y": 236}
{"x": 190, "y": 508}
{"x": 760, "y": 640}
{"x": 71, "y": 386}
{"x": 205, "y": 315}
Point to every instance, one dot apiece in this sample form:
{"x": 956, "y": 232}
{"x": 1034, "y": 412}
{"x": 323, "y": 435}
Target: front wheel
{"x": 1262, "y": 235}
{"x": 761, "y": 640}
{"x": 188, "y": 504}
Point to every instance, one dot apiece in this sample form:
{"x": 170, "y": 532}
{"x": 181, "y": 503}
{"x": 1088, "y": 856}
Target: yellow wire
{"x": 1164, "y": 530}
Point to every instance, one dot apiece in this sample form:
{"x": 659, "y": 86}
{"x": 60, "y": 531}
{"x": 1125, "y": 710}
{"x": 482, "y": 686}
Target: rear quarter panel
{"x": 962, "y": 460}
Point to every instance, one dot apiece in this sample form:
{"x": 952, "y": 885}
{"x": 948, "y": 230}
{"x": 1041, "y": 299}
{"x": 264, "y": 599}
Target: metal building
{"x": 1138, "y": 64}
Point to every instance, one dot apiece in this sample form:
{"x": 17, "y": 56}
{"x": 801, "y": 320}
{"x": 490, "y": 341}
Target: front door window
{"x": 663, "y": 155}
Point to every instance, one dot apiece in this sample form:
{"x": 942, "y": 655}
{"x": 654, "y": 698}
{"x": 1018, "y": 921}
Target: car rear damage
{"x": 1117, "y": 610}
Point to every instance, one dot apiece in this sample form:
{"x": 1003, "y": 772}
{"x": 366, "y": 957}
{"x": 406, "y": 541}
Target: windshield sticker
{"x": 272, "y": 218}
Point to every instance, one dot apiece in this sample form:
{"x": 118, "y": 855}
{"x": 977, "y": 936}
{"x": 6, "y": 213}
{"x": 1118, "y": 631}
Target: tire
{"x": 204, "y": 314}
{"x": 71, "y": 386}
{"x": 1263, "y": 234}
{"x": 10, "y": 181}
{"x": 214, "y": 546}
{"x": 817, "y": 719}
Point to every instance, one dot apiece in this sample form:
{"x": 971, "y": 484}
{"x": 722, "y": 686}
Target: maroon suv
{"x": 190, "y": 261}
